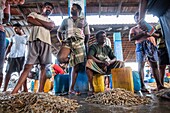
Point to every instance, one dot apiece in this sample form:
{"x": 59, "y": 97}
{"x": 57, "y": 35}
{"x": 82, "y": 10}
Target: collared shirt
{"x": 39, "y": 32}
{"x": 18, "y": 46}
{"x": 71, "y": 28}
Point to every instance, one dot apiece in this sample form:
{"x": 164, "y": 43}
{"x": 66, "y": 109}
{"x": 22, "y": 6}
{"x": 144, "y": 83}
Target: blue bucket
{"x": 136, "y": 81}
{"x": 61, "y": 83}
{"x": 81, "y": 84}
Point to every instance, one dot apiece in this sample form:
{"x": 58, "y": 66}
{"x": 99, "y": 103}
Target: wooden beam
{"x": 26, "y": 27}
{"x": 38, "y": 7}
{"x": 99, "y": 1}
{"x": 22, "y": 12}
{"x": 119, "y": 8}
{"x": 115, "y": 4}
{"x": 40, "y": 1}
{"x": 16, "y": 19}
{"x": 59, "y": 8}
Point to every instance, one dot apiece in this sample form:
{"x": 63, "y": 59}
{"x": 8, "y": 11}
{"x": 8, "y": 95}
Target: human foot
{"x": 74, "y": 92}
{"x": 90, "y": 93}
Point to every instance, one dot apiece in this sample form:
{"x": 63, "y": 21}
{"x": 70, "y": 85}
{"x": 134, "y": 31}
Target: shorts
{"x": 146, "y": 50}
{"x": 15, "y": 65}
{"x": 39, "y": 53}
{"x": 163, "y": 56}
{"x": 2, "y": 50}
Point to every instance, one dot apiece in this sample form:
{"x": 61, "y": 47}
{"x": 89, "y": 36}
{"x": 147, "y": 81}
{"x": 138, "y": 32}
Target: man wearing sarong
{"x": 145, "y": 50}
{"x": 101, "y": 59}
{"x": 76, "y": 31}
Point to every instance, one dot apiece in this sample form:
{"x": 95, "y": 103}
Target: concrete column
{"x": 117, "y": 40}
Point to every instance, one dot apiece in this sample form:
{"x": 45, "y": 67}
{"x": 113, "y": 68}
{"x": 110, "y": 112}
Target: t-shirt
{"x": 77, "y": 28}
{"x": 104, "y": 53}
{"x": 18, "y": 46}
{"x": 39, "y": 32}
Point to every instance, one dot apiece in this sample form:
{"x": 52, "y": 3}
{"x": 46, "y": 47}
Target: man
{"x": 145, "y": 48}
{"x": 39, "y": 45}
{"x": 75, "y": 28}
{"x": 162, "y": 53}
{"x": 161, "y": 9}
{"x": 4, "y": 17}
{"x": 16, "y": 58}
{"x": 101, "y": 59}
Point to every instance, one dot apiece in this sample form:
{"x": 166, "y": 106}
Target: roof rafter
{"x": 119, "y": 8}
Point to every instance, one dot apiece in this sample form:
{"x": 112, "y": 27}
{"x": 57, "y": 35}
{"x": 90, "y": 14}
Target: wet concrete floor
{"x": 157, "y": 106}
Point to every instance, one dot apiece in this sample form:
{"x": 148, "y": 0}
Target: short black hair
{"x": 99, "y": 33}
{"x": 48, "y": 3}
{"x": 136, "y": 14}
{"x": 78, "y": 7}
{"x": 17, "y": 25}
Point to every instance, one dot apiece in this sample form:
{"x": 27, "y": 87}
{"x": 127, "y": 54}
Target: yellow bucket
{"x": 122, "y": 78}
{"x": 47, "y": 86}
{"x": 98, "y": 83}
{"x": 35, "y": 85}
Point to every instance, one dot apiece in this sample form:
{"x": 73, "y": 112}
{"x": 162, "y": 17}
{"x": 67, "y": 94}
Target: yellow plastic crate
{"x": 122, "y": 78}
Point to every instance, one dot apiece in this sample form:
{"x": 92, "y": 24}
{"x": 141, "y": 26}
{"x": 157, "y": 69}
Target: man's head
{"x": 17, "y": 28}
{"x": 47, "y": 8}
{"x": 136, "y": 17}
{"x": 101, "y": 37}
{"x": 76, "y": 9}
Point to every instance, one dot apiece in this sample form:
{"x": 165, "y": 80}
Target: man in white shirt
{"x": 16, "y": 48}
{"x": 4, "y": 18}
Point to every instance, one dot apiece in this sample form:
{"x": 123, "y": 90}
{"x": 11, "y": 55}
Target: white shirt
{"x": 18, "y": 46}
{"x": 108, "y": 42}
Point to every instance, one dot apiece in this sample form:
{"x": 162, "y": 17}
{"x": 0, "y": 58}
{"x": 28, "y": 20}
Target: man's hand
{"x": 106, "y": 63}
